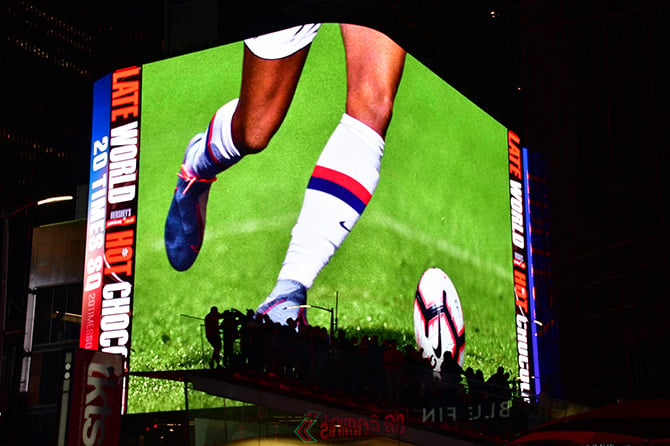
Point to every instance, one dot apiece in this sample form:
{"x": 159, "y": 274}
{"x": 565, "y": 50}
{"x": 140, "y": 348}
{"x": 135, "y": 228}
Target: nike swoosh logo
{"x": 438, "y": 350}
{"x": 342, "y": 223}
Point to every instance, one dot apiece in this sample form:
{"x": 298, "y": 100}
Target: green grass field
{"x": 442, "y": 201}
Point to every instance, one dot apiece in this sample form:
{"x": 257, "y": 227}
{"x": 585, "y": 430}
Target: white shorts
{"x": 280, "y": 44}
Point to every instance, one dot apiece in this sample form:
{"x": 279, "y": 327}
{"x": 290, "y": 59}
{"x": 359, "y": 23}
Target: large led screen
{"x": 442, "y": 201}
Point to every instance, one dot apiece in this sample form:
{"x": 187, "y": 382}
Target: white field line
{"x": 223, "y": 231}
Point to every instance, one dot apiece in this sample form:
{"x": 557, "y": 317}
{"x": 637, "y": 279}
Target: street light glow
{"x": 55, "y": 199}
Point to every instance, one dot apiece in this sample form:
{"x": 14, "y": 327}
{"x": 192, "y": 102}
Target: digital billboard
{"x": 443, "y": 200}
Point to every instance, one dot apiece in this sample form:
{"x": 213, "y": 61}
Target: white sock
{"x": 216, "y": 151}
{"x": 341, "y": 185}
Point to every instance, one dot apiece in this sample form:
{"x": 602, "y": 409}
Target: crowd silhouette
{"x": 365, "y": 368}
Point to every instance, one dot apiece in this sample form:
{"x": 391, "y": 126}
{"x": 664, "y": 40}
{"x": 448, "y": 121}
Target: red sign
{"x": 97, "y": 393}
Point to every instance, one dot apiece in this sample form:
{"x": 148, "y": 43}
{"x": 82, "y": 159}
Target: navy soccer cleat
{"x": 285, "y": 301}
{"x": 185, "y": 223}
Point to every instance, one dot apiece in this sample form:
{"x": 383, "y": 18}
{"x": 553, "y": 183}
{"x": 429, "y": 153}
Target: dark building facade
{"x": 55, "y": 52}
{"x": 595, "y": 100}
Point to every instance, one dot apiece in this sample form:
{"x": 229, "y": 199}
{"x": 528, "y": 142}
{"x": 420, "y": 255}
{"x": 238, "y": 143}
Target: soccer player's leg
{"x": 374, "y": 68}
{"x": 347, "y": 170}
{"x": 241, "y": 127}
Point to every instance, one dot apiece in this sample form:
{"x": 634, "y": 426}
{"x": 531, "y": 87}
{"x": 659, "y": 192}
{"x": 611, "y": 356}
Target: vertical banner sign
{"x": 97, "y": 216}
{"x": 97, "y": 389}
{"x": 533, "y": 335}
{"x": 520, "y": 262}
{"x": 112, "y": 213}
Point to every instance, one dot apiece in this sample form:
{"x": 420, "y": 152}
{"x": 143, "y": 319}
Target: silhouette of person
{"x": 213, "y": 335}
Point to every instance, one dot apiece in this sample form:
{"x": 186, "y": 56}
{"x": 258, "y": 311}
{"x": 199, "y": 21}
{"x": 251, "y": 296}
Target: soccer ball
{"x": 438, "y": 318}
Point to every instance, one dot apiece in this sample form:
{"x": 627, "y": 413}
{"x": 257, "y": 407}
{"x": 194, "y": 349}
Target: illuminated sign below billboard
{"x": 97, "y": 381}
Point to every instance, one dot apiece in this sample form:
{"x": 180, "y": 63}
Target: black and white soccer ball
{"x": 439, "y": 326}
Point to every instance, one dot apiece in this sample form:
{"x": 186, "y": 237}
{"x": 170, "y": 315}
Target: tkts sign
{"x": 97, "y": 389}
{"x": 110, "y": 245}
